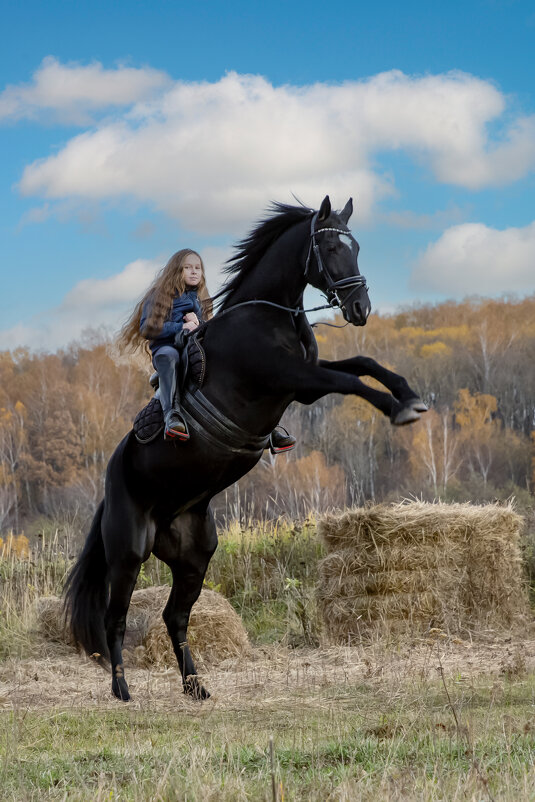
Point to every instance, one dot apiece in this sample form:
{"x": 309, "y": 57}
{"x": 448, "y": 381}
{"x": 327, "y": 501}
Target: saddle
{"x": 148, "y": 423}
{"x": 215, "y": 426}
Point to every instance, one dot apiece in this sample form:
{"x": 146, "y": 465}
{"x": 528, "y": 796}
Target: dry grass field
{"x": 434, "y": 719}
{"x": 419, "y": 717}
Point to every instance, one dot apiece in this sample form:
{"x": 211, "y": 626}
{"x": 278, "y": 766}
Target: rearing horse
{"x": 260, "y": 356}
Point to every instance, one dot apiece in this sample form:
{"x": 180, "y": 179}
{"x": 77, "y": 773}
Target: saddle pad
{"x": 149, "y": 422}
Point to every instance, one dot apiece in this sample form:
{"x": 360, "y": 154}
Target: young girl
{"x": 178, "y": 299}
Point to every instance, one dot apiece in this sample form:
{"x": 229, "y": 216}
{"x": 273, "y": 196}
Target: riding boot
{"x": 279, "y": 442}
{"x": 175, "y": 425}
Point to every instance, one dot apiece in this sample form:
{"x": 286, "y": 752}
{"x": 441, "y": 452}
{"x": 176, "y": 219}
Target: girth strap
{"x": 209, "y": 421}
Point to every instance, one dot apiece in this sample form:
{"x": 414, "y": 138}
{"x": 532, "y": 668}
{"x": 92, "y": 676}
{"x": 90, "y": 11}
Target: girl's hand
{"x": 191, "y": 321}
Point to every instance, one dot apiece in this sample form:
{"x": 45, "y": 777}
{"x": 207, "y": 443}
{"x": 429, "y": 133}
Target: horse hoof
{"x": 418, "y": 405}
{"x": 193, "y": 688}
{"x": 120, "y": 690}
{"x": 405, "y": 416}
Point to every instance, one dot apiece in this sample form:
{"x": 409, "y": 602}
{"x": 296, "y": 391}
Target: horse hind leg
{"x": 123, "y": 578}
{"x": 176, "y": 616}
{"x": 187, "y": 548}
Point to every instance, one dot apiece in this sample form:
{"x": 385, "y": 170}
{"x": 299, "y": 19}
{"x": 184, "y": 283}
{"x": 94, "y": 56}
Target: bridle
{"x": 331, "y": 291}
{"x": 333, "y": 287}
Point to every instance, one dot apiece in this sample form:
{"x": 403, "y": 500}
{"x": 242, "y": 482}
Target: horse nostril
{"x": 361, "y": 312}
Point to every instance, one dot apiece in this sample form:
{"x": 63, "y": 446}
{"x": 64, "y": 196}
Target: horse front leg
{"x": 311, "y": 382}
{"x": 396, "y": 384}
{"x": 187, "y": 547}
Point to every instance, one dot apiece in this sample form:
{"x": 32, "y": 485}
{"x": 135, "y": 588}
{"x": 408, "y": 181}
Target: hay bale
{"x": 215, "y": 633}
{"x": 146, "y": 607}
{"x": 51, "y": 621}
{"x": 215, "y": 630}
{"x": 366, "y": 583}
{"x": 412, "y": 566}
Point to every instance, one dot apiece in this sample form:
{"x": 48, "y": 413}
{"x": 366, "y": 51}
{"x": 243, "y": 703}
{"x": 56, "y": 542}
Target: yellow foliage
{"x": 437, "y": 348}
{"x": 354, "y": 410}
{"x": 6, "y": 415}
{"x": 413, "y": 332}
{"x": 474, "y": 412}
{"x": 6, "y": 478}
{"x": 433, "y": 451}
{"x": 309, "y": 479}
{"x": 455, "y": 333}
{"x": 15, "y": 546}
{"x": 312, "y": 468}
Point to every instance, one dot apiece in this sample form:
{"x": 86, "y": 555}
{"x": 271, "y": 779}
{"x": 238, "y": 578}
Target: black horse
{"x": 260, "y": 356}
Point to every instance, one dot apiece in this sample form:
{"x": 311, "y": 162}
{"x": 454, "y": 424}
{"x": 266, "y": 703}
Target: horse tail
{"x": 86, "y": 594}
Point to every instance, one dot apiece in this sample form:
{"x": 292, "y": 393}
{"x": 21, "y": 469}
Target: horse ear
{"x": 347, "y": 211}
{"x": 325, "y": 209}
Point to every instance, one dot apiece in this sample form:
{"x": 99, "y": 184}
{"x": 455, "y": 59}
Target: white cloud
{"x": 91, "y": 303}
{"x": 70, "y": 92}
{"x": 472, "y": 258}
{"x": 407, "y": 219}
{"x": 129, "y": 285}
{"x": 101, "y": 303}
{"x": 213, "y": 154}
{"x": 214, "y": 258}
{"x": 123, "y": 287}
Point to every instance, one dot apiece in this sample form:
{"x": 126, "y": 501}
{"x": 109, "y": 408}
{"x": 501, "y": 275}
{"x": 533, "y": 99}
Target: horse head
{"x": 332, "y": 263}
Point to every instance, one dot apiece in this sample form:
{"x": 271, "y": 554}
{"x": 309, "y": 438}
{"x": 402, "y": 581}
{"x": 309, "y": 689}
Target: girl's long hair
{"x": 168, "y": 283}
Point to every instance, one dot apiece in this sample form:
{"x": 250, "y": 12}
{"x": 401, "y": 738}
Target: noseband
{"x": 333, "y": 287}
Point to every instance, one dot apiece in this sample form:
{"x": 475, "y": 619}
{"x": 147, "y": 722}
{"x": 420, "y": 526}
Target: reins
{"x": 294, "y": 310}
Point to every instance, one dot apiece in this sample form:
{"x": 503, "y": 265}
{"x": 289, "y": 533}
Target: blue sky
{"x": 129, "y": 131}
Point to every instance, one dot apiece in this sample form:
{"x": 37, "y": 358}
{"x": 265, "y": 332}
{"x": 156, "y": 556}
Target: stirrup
{"x": 285, "y": 443}
{"x": 173, "y": 434}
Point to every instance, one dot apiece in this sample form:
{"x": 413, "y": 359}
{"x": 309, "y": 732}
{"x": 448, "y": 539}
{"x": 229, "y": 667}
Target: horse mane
{"x": 253, "y": 247}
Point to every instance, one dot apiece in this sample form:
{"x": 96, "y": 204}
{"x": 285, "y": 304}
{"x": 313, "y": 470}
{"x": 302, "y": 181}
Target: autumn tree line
{"x": 61, "y": 415}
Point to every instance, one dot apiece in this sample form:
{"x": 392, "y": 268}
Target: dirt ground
{"x": 271, "y": 677}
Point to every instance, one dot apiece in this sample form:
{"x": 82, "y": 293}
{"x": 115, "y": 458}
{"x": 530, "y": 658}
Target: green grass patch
{"x": 359, "y": 744}
{"x": 25, "y": 577}
{"x": 269, "y": 574}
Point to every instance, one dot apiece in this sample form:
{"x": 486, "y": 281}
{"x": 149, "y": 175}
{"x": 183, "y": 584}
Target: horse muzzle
{"x": 355, "y": 305}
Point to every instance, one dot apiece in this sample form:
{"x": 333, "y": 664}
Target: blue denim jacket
{"x": 182, "y": 304}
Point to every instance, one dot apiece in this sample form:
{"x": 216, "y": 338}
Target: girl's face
{"x": 192, "y": 270}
